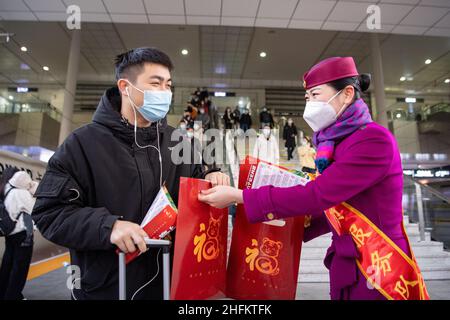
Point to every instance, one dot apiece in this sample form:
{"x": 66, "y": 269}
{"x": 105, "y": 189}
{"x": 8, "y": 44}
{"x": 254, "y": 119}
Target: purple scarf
{"x": 355, "y": 116}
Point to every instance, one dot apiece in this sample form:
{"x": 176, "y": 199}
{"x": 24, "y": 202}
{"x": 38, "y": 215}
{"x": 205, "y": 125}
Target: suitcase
{"x": 151, "y": 243}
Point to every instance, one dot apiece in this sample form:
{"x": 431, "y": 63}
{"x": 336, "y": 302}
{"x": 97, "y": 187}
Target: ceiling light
{"x": 11, "y": 97}
{"x": 428, "y": 61}
{"x": 447, "y": 81}
{"x": 45, "y": 68}
{"x": 410, "y": 100}
{"x": 262, "y": 54}
{"x": 399, "y": 115}
{"x": 22, "y": 89}
{"x": 220, "y": 69}
{"x": 184, "y": 52}
{"x": 409, "y": 78}
{"x": 402, "y": 78}
{"x": 24, "y": 49}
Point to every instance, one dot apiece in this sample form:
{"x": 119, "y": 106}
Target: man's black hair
{"x": 130, "y": 63}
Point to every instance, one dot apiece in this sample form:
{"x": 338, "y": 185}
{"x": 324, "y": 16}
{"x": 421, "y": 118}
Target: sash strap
{"x": 390, "y": 270}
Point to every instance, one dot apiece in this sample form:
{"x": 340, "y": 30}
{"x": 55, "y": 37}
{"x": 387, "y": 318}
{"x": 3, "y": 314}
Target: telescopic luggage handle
{"x": 151, "y": 243}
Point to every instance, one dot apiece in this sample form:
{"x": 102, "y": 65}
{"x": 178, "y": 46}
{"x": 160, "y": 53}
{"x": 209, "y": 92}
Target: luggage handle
{"x": 151, "y": 243}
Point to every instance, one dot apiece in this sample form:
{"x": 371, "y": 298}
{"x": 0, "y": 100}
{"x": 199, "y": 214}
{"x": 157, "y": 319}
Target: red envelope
{"x": 199, "y": 265}
{"x": 160, "y": 220}
{"x": 264, "y": 259}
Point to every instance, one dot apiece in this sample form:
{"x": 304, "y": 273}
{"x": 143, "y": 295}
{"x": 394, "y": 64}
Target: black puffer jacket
{"x": 97, "y": 176}
{"x": 289, "y": 134}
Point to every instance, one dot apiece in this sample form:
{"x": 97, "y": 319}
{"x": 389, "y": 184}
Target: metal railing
{"x": 428, "y": 207}
{"x": 38, "y": 107}
{"x": 439, "y": 107}
{"x": 418, "y": 115}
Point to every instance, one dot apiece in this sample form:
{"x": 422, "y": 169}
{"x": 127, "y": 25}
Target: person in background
{"x": 203, "y": 94}
{"x": 266, "y": 146}
{"x": 196, "y": 93}
{"x": 196, "y": 144}
{"x": 246, "y": 120}
{"x": 306, "y": 156}
{"x": 187, "y": 118}
{"x": 198, "y": 132}
{"x": 16, "y": 192}
{"x": 289, "y": 135}
{"x": 190, "y": 133}
{"x": 265, "y": 117}
{"x": 193, "y": 111}
{"x": 194, "y": 100}
{"x": 204, "y": 105}
{"x": 208, "y": 104}
{"x": 228, "y": 118}
{"x": 182, "y": 126}
{"x": 203, "y": 118}
{"x": 236, "y": 117}
{"x": 213, "y": 114}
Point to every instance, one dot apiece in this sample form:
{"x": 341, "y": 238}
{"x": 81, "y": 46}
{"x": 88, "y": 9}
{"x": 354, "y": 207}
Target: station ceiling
{"x": 225, "y": 38}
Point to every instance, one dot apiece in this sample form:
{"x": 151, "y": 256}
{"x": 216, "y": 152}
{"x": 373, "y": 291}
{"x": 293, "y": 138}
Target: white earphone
{"x": 148, "y": 146}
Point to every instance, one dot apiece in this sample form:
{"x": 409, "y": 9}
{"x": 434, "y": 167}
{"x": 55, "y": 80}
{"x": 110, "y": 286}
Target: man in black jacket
{"x": 266, "y": 118}
{"x": 246, "y": 120}
{"x": 101, "y": 181}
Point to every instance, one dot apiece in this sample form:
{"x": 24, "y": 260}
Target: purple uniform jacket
{"x": 367, "y": 174}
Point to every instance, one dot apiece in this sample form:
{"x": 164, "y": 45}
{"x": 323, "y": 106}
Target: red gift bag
{"x": 264, "y": 259}
{"x": 199, "y": 265}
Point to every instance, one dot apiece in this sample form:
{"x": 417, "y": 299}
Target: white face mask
{"x": 190, "y": 134}
{"x": 266, "y": 133}
{"x": 320, "y": 114}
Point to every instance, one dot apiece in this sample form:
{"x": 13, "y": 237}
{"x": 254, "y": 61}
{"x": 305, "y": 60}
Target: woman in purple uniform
{"x": 357, "y": 194}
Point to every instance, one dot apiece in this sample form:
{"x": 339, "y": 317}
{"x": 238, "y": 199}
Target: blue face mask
{"x": 156, "y": 103}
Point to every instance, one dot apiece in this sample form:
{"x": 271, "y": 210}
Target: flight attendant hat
{"x": 329, "y": 70}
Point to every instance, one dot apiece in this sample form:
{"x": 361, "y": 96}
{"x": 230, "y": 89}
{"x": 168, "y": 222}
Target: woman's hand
{"x": 221, "y": 196}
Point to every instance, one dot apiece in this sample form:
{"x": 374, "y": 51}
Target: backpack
{"x": 7, "y": 224}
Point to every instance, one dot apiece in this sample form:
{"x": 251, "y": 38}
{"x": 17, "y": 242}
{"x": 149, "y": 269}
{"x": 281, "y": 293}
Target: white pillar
{"x": 71, "y": 86}
{"x": 378, "y": 80}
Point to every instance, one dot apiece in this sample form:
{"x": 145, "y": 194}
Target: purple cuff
{"x": 258, "y": 205}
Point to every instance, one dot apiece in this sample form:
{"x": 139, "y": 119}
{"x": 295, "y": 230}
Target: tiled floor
{"x": 438, "y": 290}
{"x": 52, "y": 286}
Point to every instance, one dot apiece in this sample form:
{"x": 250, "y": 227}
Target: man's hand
{"x": 221, "y": 196}
{"x": 218, "y": 179}
{"x": 127, "y": 235}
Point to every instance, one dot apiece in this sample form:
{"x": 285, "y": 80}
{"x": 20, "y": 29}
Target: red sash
{"x": 385, "y": 266}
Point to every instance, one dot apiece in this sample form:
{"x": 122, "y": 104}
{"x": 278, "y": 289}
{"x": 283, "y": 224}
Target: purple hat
{"x": 329, "y": 70}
